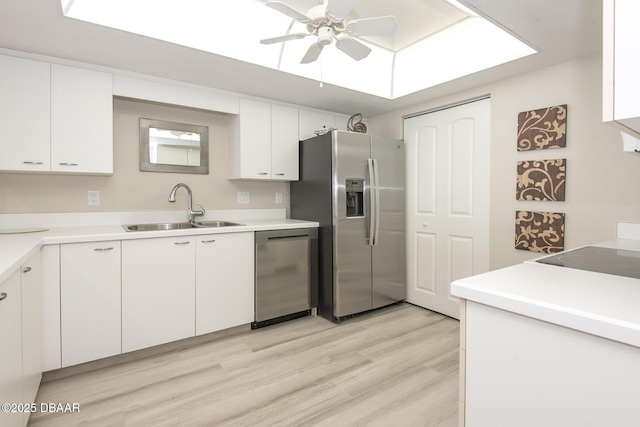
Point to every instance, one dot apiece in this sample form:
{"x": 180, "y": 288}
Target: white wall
{"x": 601, "y": 179}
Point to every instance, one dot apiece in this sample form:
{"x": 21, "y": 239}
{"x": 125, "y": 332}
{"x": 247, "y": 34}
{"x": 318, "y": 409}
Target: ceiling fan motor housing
{"x": 325, "y": 35}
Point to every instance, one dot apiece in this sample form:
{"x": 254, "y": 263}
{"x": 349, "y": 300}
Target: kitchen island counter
{"x": 600, "y": 304}
{"x": 548, "y": 345}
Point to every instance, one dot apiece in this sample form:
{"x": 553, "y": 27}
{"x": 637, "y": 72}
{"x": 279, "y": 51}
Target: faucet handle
{"x": 202, "y": 212}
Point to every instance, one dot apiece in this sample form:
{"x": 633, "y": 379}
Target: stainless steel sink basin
{"x": 215, "y": 224}
{"x": 162, "y": 226}
{"x": 177, "y": 225}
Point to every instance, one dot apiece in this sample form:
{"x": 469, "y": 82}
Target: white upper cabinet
{"x": 264, "y": 143}
{"x": 284, "y": 143}
{"x": 24, "y": 114}
{"x": 621, "y": 65}
{"x": 311, "y": 121}
{"x": 55, "y": 118}
{"x": 81, "y": 121}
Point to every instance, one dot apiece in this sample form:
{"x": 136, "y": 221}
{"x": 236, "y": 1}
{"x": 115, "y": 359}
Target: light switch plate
{"x": 243, "y": 197}
{"x": 279, "y": 198}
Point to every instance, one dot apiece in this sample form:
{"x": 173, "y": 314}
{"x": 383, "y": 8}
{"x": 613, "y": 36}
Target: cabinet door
{"x": 255, "y": 140}
{"x": 11, "y": 350}
{"x": 50, "y": 264}
{"x": 158, "y": 291}
{"x": 24, "y": 114}
{"x": 284, "y": 143}
{"x": 224, "y": 281}
{"x": 81, "y": 121}
{"x": 90, "y": 301}
{"x": 310, "y": 121}
{"x": 31, "y": 329}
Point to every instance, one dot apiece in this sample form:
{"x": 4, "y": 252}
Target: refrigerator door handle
{"x": 372, "y": 202}
{"x": 376, "y": 175}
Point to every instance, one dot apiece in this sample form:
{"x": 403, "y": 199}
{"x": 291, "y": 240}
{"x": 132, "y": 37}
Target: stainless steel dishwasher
{"x": 286, "y": 275}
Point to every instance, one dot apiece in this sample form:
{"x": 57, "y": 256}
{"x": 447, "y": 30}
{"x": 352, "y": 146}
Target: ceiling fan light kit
{"x": 327, "y": 22}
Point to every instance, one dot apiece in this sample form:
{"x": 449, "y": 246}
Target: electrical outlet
{"x": 279, "y": 198}
{"x": 93, "y": 198}
{"x": 243, "y": 197}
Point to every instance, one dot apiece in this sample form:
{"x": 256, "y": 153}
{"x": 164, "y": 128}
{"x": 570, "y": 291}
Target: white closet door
{"x": 447, "y": 202}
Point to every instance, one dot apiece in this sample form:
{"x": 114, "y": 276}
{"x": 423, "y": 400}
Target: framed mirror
{"x": 173, "y": 147}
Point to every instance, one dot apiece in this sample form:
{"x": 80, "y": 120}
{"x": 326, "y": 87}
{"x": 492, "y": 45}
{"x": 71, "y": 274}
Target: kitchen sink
{"x": 215, "y": 224}
{"x": 178, "y": 225}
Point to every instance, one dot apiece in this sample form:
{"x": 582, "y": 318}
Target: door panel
{"x": 461, "y": 157}
{"x": 425, "y": 250}
{"x": 425, "y": 191}
{"x": 352, "y": 254}
{"x": 448, "y": 202}
{"x": 388, "y": 255}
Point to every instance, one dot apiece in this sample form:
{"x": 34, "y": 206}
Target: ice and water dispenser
{"x": 355, "y": 197}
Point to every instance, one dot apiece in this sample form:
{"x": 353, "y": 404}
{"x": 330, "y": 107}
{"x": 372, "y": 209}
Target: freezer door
{"x": 388, "y": 254}
{"x": 351, "y": 252}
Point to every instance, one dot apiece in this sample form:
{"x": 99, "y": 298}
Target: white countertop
{"x": 600, "y": 304}
{"x": 15, "y": 249}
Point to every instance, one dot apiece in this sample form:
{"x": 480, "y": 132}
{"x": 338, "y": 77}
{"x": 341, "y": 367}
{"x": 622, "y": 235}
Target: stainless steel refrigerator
{"x": 353, "y": 185}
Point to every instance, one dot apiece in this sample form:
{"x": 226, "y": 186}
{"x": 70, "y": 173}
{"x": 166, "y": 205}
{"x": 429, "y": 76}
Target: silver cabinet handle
{"x": 263, "y": 173}
{"x": 32, "y": 163}
{"x": 68, "y": 164}
{"x": 3, "y": 296}
{"x": 181, "y": 243}
{"x": 103, "y": 249}
{"x": 208, "y": 241}
{"x": 26, "y": 269}
{"x": 280, "y": 174}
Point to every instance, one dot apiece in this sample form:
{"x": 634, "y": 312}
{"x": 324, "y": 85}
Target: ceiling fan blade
{"x": 312, "y": 53}
{"x": 380, "y": 26}
{"x": 353, "y": 48}
{"x": 340, "y": 8}
{"x": 288, "y": 10}
{"x": 284, "y": 38}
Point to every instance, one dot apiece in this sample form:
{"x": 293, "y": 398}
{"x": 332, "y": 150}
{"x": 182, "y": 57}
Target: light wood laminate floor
{"x": 394, "y": 367}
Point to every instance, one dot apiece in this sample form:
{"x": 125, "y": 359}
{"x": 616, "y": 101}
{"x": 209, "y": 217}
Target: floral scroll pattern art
{"x": 540, "y": 231}
{"x": 541, "y": 129}
{"x": 541, "y": 180}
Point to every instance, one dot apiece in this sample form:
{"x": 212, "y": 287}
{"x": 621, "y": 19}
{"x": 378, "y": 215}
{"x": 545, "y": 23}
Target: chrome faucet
{"x": 192, "y": 213}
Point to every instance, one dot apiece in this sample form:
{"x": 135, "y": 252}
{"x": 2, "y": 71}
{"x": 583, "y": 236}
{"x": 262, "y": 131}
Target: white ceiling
{"x": 559, "y": 29}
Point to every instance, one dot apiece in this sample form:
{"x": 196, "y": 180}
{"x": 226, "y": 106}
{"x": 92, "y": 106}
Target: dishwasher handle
{"x": 280, "y": 235}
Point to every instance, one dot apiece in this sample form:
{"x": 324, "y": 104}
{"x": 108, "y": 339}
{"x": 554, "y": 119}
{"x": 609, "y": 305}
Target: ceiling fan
{"x": 326, "y": 21}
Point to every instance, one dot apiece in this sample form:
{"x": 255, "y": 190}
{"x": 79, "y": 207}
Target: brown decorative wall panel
{"x": 540, "y": 231}
{"x": 541, "y": 180}
{"x": 544, "y": 128}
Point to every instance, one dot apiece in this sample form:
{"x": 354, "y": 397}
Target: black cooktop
{"x": 619, "y": 262}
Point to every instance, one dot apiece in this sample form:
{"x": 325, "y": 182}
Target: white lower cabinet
{"x": 31, "y": 330}
{"x": 158, "y": 291}
{"x": 11, "y": 353}
{"x": 90, "y": 301}
{"x": 101, "y": 299}
{"x": 224, "y": 281}
{"x": 20, "y": 342}
{"x": 51, "y": 355}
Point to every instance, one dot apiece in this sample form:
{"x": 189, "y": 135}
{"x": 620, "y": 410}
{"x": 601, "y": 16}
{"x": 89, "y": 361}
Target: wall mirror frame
{"x": 173, "y": 147}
